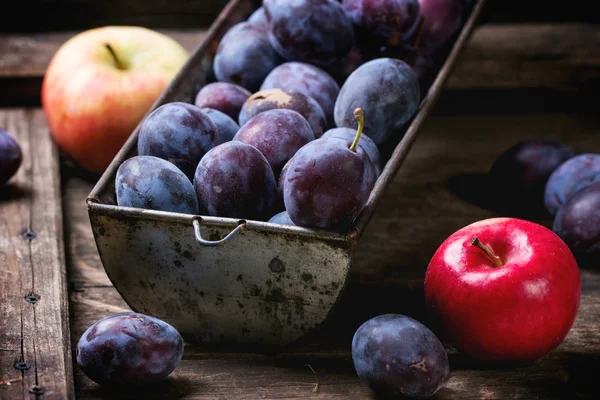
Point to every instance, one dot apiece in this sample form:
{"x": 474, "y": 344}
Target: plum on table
{"x": 180, "y": 133}
{"x": 11, "y": 156}
{"x": 223, "y": 96}
{"x": 226, "y": 126}
{"x": 155, "y": 184}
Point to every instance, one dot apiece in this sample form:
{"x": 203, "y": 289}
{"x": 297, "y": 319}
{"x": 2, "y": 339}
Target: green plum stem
{"x": 360, "y": 117}
{"x": 495, "y": 259}
{"x": 114, "y": 55}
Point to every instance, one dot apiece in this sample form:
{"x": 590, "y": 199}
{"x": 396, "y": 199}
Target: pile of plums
{"x": 306, "y": 94}
{"x": 552, "y": 175}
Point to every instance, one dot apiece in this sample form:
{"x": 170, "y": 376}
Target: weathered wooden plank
{"x": 33, "y": 297}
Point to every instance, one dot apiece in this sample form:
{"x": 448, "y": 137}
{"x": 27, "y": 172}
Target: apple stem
{"x": 497, "y": 260}
{"x": 114, "y": 55}
{"x": 417, "y": 40}
{"x": 360, "y": 117}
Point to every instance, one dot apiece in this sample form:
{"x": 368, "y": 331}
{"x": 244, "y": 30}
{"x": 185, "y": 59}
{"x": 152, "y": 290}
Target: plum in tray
{"x": 328, "y": 183}
{"x": 180, "y": 133}
{"x": 441, "y": 20}
{"x": 11, "y": 156}
{"x": 277, "y": 134}
{"x": 223, "y": 96}
{"x": 153, "y": 183}
{"x": 129, "y": 348}
{"x": 365, "y": 142}
{"x": 226, "y": 126}
{"x": 235, "y": 180}
{"x": 282, "y": 218}
{"x": 396, "y": 354}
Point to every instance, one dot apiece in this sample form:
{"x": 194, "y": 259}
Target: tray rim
{"x": 390, "y": 170}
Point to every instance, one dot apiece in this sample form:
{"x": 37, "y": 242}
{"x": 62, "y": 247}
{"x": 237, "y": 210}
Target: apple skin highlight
{"x": 513, "y": 313}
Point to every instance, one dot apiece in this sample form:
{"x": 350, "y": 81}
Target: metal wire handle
{"x": 204, "y": 242}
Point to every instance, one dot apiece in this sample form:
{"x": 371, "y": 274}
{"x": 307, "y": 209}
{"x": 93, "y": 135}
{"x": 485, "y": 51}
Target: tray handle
{"x": 204, "y": 242}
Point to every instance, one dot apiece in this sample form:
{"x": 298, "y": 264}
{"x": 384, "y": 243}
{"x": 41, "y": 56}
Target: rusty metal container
{"x": 224, "y": 280}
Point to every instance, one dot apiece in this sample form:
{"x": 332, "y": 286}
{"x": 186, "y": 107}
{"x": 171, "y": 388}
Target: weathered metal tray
{"x": 223, "y": 280}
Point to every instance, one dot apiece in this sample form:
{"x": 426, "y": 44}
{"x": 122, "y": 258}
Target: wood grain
{"x": 33, "y": 291}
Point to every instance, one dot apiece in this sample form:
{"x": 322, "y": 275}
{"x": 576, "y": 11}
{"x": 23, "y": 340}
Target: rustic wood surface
{"x": 513, "y": 82}
{"x": 34, "y": 328}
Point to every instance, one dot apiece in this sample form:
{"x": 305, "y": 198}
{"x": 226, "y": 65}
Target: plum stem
{"x": 360, "y": 117}
{"x": 113, "y": 53}
{"x": 496, "y": 260}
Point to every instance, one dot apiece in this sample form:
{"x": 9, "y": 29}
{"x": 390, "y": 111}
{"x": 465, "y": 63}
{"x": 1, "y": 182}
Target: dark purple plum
{"x": 577, "y": 222}
{"x": 282, "y": 218}
{"x": 390, "y": 22}
{"x": 441, "y": 20}
{"x": 387, "y": 90}
{"x": 420, "y": 61}
{"x": 129, "y": 348}
{"x": 278, "y": 134}
{"x": 520, "y": 173}
{"x": 306, "y": 79}
{"x": 223, "y": 96}
{"x": 317, "y": 32}
{"x": 365, "y": 142}
{"x": 271, "y": 99}
{"x": 569, "y": 177}
{"x": 259, "y": 17}
{"x": 11, "y": 156}
{"x": 281, "y": 179}
{"x": 396, "y": 354}
{"x": 245, "y": 56}
{"x": 235, "y": 180}
{"x": 226, "y": 126}
{"x": 180, "y": 133}
{"x": 155, "y": 184}
{"x": 328, "y": 183}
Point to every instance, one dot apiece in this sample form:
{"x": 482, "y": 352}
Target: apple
{"x": 99, "y": 85}
{"x": 503, "y": 290}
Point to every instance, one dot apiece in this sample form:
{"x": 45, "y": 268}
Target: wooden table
{"x": 513, "y": 82}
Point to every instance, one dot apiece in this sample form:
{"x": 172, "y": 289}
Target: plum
{"x": 282, "y": 218}
{"x": 245, "y": 56}
{"x": 235, "y": 180}
{"x": 569, "y": 177}
{"x": 11, "y": 156}
{"x": 441, "y": 20}
{"x": 316, "y": 32}
{"x": 389, "y": 22}
{"x": 520, "y": 173}
{"x": 259, "y": 17}
{"x": 365, "y": 142}
{"x": 129, "y": 348}
{"x": 180, "y": 133}
{"x": 307, "y": 79}
{"x": 278, "y": 134}
{"x": 270, "y": 99}
{"x": 226, "y": 126}
{"x": 155, "y": 184}
{"x": 396, "y": 354}
{"x": 223, "y": 96}
{"x": 328, "y": 182}
{"x": 387, "y": 90}
{"x": 577, "y": 222}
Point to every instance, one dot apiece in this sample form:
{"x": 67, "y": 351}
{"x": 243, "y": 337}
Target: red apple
{"x": 100, "y": 84}
{"x": 503, "y": 290}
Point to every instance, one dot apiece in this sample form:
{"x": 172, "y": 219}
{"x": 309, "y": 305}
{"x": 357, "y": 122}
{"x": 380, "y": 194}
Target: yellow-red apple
{"x": 100, "y": 84}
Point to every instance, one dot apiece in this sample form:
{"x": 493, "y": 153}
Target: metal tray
{"x": 224, "y": 280}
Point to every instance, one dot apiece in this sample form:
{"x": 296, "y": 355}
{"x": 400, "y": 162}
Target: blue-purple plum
{"x": 11, "y": 156}
{"x": 129, "y": 348}
{"x": 259, "y": 17}
{"x": 396, "y": 354}
{"x": 328, "y": 184}
{"x": 317, "y": 32}
{"x": 277, "y": 134}
{"x": 235, "y": 180}
{"x": 226, "y": 126}
{"x": 270, "y": 99}
{"x": 365, "y": 142}
{"x": 282, "y": 218}
{"x": 223, "y": 96}
{"x": 577, "y": 222}
{"x": 441, "y": 20}
{"x": 155, "y": 184}
{"x": 387, "y": 90}
{"x": 307, "y": 79}
{"x": 245, "y": 56}
{"x": 180, "y": 133}
{"x": 569, "y": 177}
